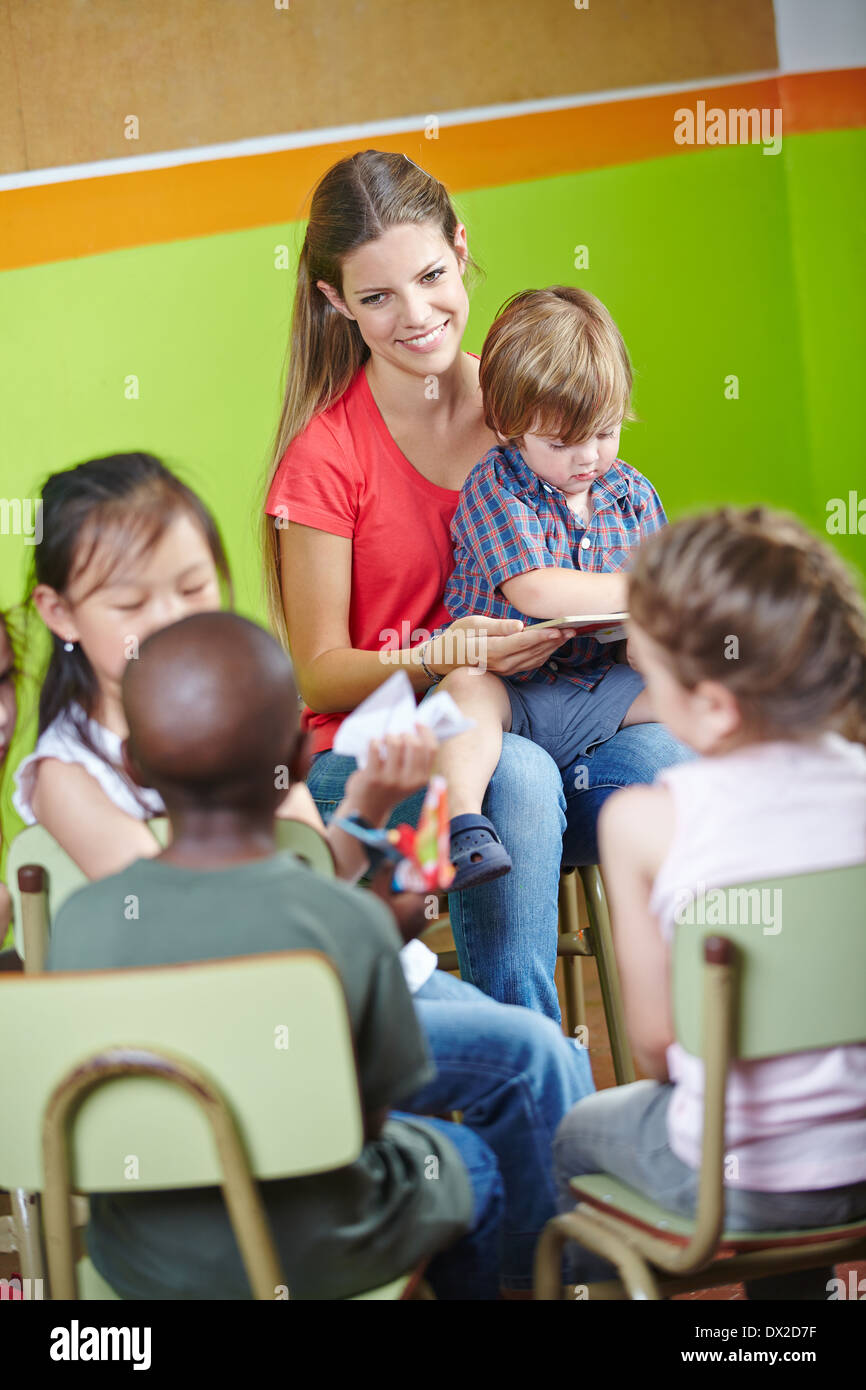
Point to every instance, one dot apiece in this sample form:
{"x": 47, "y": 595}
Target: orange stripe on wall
{"x": 84, "y": 217}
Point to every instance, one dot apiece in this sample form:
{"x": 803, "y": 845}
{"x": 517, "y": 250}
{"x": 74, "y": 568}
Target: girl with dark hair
{"x": 126, "y": 548}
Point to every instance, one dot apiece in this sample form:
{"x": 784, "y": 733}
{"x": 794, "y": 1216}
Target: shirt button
{"x": 553, "y": 666}
{"x": 585, "y": 543}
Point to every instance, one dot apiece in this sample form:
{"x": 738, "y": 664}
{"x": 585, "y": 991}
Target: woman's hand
{"x": 396, "y": 767}
{"x": 502, "y": 645}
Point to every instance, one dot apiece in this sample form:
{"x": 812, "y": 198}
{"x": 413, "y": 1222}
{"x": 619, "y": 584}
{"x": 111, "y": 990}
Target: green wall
{"x": 718, "y": 262}
{"x": 827, "y": 193}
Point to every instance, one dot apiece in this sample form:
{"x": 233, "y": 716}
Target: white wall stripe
{"x": 269, "y": 144}
{"x": 826, "y": 36}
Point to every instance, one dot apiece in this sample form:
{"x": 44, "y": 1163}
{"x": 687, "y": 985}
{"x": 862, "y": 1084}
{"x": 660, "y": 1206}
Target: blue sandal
{"x": 477, "y": 852}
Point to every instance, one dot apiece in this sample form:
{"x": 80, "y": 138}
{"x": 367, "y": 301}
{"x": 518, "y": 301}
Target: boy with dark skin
{"x": 212, "y": 708}
{"x": 232, "y": 704}
{"x": 212, "y": 712}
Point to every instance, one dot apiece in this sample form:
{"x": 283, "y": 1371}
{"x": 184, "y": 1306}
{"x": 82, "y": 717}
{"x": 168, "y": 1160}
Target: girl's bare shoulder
{"x": 638, "y": 822}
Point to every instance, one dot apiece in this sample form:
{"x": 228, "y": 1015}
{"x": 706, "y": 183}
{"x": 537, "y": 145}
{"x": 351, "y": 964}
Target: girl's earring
{"x": 69, "y": 646}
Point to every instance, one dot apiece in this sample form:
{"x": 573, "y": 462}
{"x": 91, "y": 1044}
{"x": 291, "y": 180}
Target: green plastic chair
{"x": 106, "y": 1065}
{"x": 33, "y": 912}
{"x": 308, "y": 844}
{"x": 743, "y": 990}
{"x": 303, "y": 840}
{"x": 63, "y": 877}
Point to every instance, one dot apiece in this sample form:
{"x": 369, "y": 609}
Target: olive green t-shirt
{"x": 337, "y": 1233}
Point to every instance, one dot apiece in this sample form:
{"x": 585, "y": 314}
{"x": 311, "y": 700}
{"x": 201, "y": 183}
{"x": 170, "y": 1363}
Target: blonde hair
{"x": 799, "y": 664}
{"x": 554, "y": 363}
{"x": 357, "y": 200}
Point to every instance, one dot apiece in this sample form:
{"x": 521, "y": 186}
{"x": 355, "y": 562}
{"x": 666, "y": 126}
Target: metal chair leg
{"x": 572, "y": 979}
{"x": 599, "y": 921}
{"x": 242, "y": 1195}
{"x": 572, "y": 965}
{"x": 632, "y": 1268}
{"x": 27, "y": 1224}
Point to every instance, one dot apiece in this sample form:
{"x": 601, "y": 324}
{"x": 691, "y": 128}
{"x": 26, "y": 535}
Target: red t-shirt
{"x": 344, "y": 474}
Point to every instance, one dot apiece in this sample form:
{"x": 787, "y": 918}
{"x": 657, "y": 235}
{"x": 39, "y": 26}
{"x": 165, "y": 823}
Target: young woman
{"x": 381, "y": 424}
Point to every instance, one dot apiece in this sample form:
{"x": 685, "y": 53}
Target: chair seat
{"x": 607, "y": 1193}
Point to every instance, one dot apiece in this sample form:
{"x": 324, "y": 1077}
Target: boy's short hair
{"x": 554, "y": 363}
{"x": 752, "y": 599}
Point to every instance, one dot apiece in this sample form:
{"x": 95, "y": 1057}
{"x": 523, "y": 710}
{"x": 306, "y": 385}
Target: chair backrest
{"x": 306, "y": 843}
{"x": 303, "y": 840}
{"x": 272, "y": 1031}
{"x": 34, "y": 845}
{"x": 801, "y": 943}
{"x": 160, "y": 828}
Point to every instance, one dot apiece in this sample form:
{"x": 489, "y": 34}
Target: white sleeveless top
{"x": 798, "y": 1122}
{"x": 61, "y": 740}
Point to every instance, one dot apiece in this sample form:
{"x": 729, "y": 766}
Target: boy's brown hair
{"x": 798, "y": 664}
{"x": 554, "y": 363}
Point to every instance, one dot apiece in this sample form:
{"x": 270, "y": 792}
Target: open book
{"x": 604, "y": 627}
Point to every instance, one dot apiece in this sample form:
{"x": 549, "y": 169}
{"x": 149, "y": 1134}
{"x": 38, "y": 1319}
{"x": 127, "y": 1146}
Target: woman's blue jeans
{"x": 505, "y": 932}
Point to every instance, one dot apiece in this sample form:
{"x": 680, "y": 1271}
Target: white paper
{"x": 391, "y": 709}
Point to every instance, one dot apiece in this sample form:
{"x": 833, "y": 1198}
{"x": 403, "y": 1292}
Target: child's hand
{"x": 408, "y": 909}
{"x": 396, "y": 766}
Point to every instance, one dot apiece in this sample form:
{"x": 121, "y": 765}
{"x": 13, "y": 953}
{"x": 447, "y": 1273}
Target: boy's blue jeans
{"x": 505, "y": 932}
{"x": 470, "y": 1269}
{"x": 514, "y": 1076}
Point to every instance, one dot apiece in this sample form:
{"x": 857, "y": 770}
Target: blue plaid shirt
{"x": 508, "y": 521}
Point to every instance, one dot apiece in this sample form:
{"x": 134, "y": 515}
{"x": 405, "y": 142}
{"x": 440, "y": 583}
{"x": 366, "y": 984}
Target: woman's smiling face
{"x": 405, "y": 290}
